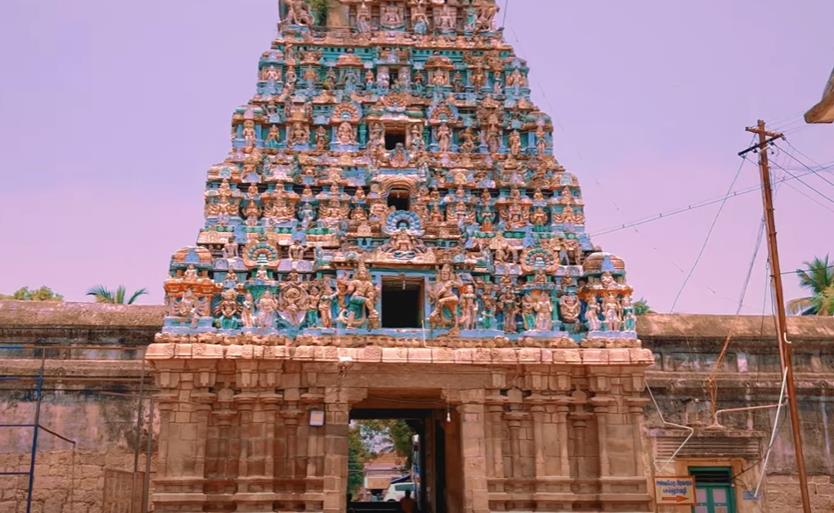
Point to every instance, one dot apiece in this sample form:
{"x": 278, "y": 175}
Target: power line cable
{"x": 697, "y": 205}
{"x": 806, "y": 166}
{"x": 708, "y": 236}
{"x": 806, "y": 184}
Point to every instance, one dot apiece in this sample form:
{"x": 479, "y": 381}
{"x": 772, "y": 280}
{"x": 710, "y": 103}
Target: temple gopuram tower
{"x": 391, "y": 234}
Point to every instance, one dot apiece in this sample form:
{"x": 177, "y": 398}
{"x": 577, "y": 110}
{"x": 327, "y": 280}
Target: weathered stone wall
{"x": 94, "y": 365}
{"x": 686, "y": 348}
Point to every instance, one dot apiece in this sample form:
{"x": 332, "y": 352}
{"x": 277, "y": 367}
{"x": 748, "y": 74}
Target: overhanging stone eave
{"x": 402, "y": 355}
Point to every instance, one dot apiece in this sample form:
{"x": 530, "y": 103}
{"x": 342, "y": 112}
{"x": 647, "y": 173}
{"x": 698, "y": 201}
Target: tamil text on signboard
{"x": 675, "y": 490}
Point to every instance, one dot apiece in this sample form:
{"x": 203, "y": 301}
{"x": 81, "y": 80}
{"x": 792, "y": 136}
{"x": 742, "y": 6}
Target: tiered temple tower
{"x": 391, "y": 223}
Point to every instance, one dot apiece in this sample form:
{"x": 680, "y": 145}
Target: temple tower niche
{"x": 390, "y": 224}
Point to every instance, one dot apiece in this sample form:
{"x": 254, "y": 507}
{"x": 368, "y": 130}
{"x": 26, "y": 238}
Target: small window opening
{"x": 394, "y": 75}
{"x": 393, "y": 137}
{"x": 400, "y": 199}
{"x": 402, "y": 305}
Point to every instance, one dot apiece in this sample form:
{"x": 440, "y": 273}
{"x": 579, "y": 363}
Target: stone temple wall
{"x": 90, "y": 397}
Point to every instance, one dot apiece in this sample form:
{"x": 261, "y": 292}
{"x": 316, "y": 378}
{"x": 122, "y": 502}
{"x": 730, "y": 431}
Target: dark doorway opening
{"x": 393, "y": 137}
{"x": 400, "y": 199}
{"x": 402, "y": 305}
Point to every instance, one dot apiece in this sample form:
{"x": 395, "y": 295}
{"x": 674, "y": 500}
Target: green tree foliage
{"x": 42, "y": 294}
{"x": 818, "y": 278}
{"x": 358, "y": 455}
{"x": 117, "y": 297}
{"x": 641, "y": 307}
{"x": 396, "y": 434}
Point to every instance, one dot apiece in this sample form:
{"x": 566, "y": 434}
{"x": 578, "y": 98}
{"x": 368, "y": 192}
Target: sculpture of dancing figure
{"x": 445, "y": 313}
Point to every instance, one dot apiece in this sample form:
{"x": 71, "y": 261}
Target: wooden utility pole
{"x": 765, "y": 139}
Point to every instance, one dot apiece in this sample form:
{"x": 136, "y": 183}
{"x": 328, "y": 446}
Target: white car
{"x": 397, "y": 491}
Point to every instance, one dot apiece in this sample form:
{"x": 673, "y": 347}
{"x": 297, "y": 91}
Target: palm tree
{"x": 117, "y": 297}
{"x": 641, "y": 307}
{"x": 818, "y": 277}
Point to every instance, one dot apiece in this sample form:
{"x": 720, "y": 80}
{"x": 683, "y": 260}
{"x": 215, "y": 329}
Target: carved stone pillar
{"x": 495, "y": 440}
{"x": 254, "y": 492}
{"x": 561, "y": 415}
{"x": 601, "y": 404}
{"x": 583, "y": 454}
{"x": 475, "y": 493}
{"x": 337, "y": 413}
{"x": 185, "y": 405}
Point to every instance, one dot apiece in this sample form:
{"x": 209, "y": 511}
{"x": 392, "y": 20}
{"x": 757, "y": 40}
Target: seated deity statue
{"x": 569, "y": 307}
{"x": 391, "y": 16}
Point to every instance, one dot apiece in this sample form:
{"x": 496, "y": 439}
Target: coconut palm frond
{"x": 800, "y": 305}
{"x": 117, "y": 297}
{"x": 101, "y": 293}
{"x": 136, "y": 295}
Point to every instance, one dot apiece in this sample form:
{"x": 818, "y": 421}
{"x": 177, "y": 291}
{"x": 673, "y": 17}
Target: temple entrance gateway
{"x": 405, "y": 243}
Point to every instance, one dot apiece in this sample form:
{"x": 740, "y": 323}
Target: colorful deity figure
{"x": 486, "y": 15}
{"x": 227, "y": 309}
{"x": 446, "y": 19}
{"x": 248, "y": 135}
{"x": 346, "y": 134}
{"x": 298, "y": 13}
{"x": 325, "y": 304}
{"x": 515, "y": 143}
{"x": 487, "y": 319}
{"x": 300, "y": 134}
{"x": 445, "y": 300}
{"x": 592, "y": 319}
{"x": 360, "y": 308}
{"x": 612, "y": 312}
{"x": 363, "y": 18}
{"x": 528, "y": 312}
{"x": 544, "y": 312}
{"x": 569, "y": 307}
{"x": 267, "y": 308}
{"x": 509, "y": 304}
{"x": 444, "y": 138}
{"x": 419, "y": 20}
{"x": 391, "y": 15}
{"x": 247, "y": 311}
{"x": 273, "y": 137}
{"x": 468, "y": 307}
{"x": 468, "y": 141}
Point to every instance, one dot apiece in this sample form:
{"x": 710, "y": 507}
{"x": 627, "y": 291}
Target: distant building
{"x": 381, "y": 470}
{"x": 823, "y": 112}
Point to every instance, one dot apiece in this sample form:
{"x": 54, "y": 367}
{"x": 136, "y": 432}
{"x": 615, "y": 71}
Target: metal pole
{"x": 781, "y": 320}
{"x": 35, "y": 431}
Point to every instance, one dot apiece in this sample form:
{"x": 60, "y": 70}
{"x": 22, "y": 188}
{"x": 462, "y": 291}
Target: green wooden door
{"x": 714, "y": 492}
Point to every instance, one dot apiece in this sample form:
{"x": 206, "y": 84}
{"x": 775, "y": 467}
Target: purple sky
{"x": 112, "y": 111}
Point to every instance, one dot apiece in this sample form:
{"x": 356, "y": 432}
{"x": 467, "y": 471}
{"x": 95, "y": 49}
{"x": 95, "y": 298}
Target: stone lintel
{"x": 605, "y": 357}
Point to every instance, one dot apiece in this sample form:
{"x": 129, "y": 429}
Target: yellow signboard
{"x": 675, "y": 490}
